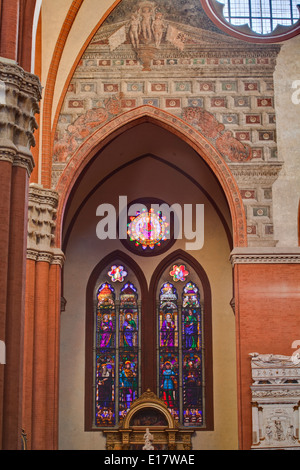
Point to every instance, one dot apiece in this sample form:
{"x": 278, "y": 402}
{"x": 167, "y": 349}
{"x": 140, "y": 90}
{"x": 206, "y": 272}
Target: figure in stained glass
{"x": 117, "y": 343}
{"x": 128, "y": 383}
{"x": 129, "y": 329}
{"x": 105, "y": 385}
{"x": 168, "y": 331}
{"x": 106, "y": 328}
{"x": 190, "y": 330}
{"x": 192, "y": 380}
{"x": 168, "y": 385}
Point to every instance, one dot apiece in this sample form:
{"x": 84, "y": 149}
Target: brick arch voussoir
{"x": 100, "y": 138}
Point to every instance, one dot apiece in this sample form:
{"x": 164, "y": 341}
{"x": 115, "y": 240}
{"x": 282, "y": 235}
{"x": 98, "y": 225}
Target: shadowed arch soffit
{"x": 202, "y": 146}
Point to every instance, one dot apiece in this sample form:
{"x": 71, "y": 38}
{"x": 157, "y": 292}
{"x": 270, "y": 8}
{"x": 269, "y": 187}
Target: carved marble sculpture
{"x": 275, "y": 401}
{"x": 148, "y": 440}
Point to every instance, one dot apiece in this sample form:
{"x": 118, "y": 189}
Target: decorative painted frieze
{"x": 157, "y": 54}
{"x": 275, "y": 401}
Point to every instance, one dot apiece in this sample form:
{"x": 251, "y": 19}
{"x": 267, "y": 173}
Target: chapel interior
{"x": 149, "y": 219}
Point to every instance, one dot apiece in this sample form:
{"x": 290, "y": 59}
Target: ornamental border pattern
{"x": 264, "y": 258}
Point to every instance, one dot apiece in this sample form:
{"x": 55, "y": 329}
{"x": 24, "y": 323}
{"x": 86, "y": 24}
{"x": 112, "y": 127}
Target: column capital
{"x": 42, "y": 205}
{"x": 53, "y": 257}
{"x": 20, "y": 93}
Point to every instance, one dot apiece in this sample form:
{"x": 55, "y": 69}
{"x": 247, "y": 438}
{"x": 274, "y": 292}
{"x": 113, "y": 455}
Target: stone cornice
{"x": 265, "y": 255}
{"x": 265, "y": 173}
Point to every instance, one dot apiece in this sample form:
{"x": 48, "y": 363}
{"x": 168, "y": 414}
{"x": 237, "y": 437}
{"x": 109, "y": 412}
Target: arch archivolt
{"x": 100, "y": 138}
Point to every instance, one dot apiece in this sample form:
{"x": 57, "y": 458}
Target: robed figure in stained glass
{"x": 105, "y": 385}
{"x": 128, "y": 383}
{"x": 106, "y": 328}
{"x": 168, "y": 331}
{"x": 129, "y": 329}
{"x": 192, "y": 380}
{"x": 190, "y": 330}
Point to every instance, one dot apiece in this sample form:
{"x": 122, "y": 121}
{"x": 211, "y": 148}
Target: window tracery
{"x": 256, "y": 20}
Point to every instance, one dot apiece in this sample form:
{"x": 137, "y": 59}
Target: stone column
{"x": 20, "y": 93}
{"x": 42, "y": 320}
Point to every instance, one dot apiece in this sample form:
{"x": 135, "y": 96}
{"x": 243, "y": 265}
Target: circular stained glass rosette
{"x": 148, "y": 229}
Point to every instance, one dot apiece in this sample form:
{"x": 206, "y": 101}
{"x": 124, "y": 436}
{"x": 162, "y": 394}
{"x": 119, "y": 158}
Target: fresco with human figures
{"x": 169, "y": 55}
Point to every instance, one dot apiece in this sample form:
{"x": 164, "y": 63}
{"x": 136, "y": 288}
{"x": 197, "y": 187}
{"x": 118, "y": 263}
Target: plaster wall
{"x": 286, "y": 190}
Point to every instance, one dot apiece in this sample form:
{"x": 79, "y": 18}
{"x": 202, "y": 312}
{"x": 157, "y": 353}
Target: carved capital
{"x": 42, "y": 209}
{"x": 20, "y": 94}
{"x": 53, "y": 257}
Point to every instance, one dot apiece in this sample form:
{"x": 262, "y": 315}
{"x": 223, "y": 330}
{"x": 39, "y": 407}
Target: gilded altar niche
{"x": 148, "y": 426}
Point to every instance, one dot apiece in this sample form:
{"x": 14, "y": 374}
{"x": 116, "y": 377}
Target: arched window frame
{"x": 159, "y": 277}
{"x": 98, "y": 277}
{"x": 214, "y": 11}
{"x": 148, "y": 308}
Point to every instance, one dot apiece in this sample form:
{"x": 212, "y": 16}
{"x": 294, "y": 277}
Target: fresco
{"x": 169, "y": 55}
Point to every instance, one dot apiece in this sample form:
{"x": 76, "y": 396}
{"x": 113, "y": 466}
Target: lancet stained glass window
{"x": 117, "y": 352}
{"x": 191, "y": 356}
{"x": 169, "y": 348}
{"x": 180, "y": 351}
{"x": 179, "y": 372}
{"x": 128, "y": 349}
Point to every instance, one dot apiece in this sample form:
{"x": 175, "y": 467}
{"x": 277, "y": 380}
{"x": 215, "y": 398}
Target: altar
{"x": 149, "y": 425}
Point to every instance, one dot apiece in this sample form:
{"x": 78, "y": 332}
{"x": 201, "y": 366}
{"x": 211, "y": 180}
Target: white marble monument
{"x": 275, "y": 401}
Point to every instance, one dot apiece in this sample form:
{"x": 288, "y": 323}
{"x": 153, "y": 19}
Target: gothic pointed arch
{"x": 108, "y": 347}
{"x": 91, "y": 147}
{"x": 190, "y": 350}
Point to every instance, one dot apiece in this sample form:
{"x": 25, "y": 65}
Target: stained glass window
{"x": 181, "y": 352}
{"x": 117, "y": 352}
{"x": 179, "y": 372}
{"x": 262, "y": 16}
{"x": 105, "y": 356}
{"x": 148, "y": 229}
{"x": 129, "y": 350}
{"x": 179, "y": 273}
{"x": 192, "y": 356}
{"x": 117, "y": 273}
{"x": 169, "y": 348}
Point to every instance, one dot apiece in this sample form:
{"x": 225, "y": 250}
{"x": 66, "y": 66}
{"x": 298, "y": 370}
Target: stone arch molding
{"x": 101, "y": 137}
